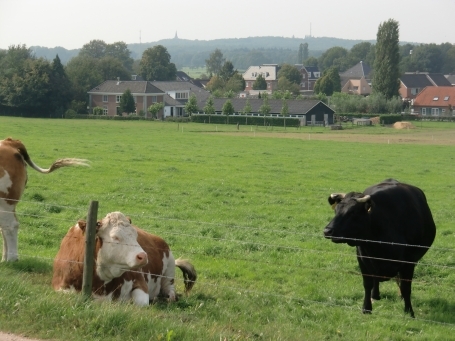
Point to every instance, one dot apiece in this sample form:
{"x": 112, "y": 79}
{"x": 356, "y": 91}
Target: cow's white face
{"x": 120, "y": 250}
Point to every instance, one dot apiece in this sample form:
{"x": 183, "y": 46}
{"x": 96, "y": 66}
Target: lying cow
{"x": 13, "y": 178}
{"x": 383, "y": 222}
{"x": 131, "y": 264}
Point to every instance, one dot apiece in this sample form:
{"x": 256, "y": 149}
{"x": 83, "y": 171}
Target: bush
{"x": 70, "y": 113}
{"x": 98, "y": 111}
{"x": 246, "y": 120}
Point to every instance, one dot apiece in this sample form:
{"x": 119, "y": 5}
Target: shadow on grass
{"x": 29, "y": 265}
{"x": 439, "y": 310}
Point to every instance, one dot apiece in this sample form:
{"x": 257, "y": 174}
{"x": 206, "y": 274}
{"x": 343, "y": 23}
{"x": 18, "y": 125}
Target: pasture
{"x": 247, "y": 208}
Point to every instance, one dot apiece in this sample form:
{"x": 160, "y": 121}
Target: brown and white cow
{"x": 131, "y": 264}
{"x": 13, "y": 178}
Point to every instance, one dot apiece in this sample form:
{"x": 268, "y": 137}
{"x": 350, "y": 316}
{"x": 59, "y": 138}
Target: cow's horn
{"x": 364, "y": 199}
{"x": 337, "y": 195}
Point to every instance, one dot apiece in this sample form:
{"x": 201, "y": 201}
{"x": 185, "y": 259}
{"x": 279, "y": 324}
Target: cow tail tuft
{"x": 189, "y": 273}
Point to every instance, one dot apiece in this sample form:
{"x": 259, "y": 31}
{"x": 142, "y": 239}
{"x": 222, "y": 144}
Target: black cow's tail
{"x": 189, "y": 273}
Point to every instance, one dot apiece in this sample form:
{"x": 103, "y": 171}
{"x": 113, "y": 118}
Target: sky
{"x": 71, "y": 24}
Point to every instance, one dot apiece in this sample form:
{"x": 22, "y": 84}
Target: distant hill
{"x": 241, "y": 51}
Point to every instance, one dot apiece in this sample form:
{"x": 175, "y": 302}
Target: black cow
{"x": 392, "y": 228}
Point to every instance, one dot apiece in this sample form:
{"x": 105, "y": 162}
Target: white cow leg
{"x": 9, "y": 244}
{"x": 140, "y": 297}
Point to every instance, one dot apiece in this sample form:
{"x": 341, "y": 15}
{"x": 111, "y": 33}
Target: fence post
{"x": 89, "y": 259}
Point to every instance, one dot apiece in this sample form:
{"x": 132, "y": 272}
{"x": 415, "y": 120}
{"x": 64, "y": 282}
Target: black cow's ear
{"x": 368, "y": 205}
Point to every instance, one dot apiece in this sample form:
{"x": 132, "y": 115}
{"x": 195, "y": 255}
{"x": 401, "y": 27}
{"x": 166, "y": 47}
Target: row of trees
{"x": 37, "y": 87}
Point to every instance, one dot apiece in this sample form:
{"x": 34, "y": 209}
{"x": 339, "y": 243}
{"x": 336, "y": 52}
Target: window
{"x": 446, "y": 98}
{"x": 268, "y": 85}
{"x": 303, "y": 76}
{"x": 247, "y": 84}
{"x": 434, "y": 111}
{"x": 424, "y": 111}
{"x": 105, "y": 110}
{"x": 154, "y": 99}
{"x": 105, "y": 100}
{"x": 118, "y": 98}
{"x": 435, "y": 98}
{"x": 181, "y": 95}
{"x": 135, "y": 99}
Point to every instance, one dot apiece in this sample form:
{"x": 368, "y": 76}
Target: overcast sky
{"x": 71, "y": 24}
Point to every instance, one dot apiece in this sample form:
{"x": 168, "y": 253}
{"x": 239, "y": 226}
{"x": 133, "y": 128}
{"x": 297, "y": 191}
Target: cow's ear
{"x": 82, "y": 225}
{"x": 335, "y": 198}
{"x": 98, "y": 225}
{"x": 129, "y": 219}
{"x": 369, "y": 205}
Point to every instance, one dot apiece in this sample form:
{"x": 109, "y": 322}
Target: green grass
{"x": 248, "y": 208}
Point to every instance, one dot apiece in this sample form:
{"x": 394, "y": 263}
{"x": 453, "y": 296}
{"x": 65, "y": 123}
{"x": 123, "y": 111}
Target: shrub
{"x": 70, "y": 113}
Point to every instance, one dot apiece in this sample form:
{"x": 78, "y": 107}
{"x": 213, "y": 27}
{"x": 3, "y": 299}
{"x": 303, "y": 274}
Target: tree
{"x": 215, "y": 83}
{"x": 215, "y": 62}
{"x": 335, "y": 56}
{"x": 284, "y": 108}
{"x": 60, "y": 92}
{"x": 228, "y": 109}
{"x": 227, "y": 71}
{"x": 236, "y": 83}
{"x": 156, "y": 64}
{"x": 285, "y": 85}
{"x": 127, "y": 103}
{"x": 312, "y": 61}
{"x": 95, "y": 49}
{"x": 84, "y": 74}
{"x": 265, "y": 107}
{"x": 329, "y": 83}
{"x": 291, "y": 73}
{"x": 247, "y": 109}
{"x": 112, "y": 68}
{"x": 119, "y": 50}
{"x": 303, "y": 53}
{"x": 260, "y": 83}
{"x": 155, "y": 108}
{"x": 359, "y": 52}
{"x": 386, "y": 64}
{"x": 209, "y": 108}
{"x": 191, "y": 106}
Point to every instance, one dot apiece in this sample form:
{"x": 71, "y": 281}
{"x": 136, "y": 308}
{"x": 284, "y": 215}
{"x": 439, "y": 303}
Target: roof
{"x": 421, "y": 80}
{"x": 309, "y": 69}
{"x": 294, "y": 106}
{"x": 119, "y": 87}
{"x": 436, "y": 96}
{"x": 269, "y": 72}
{"x": 359, "y": 70}
{"x": 450, "y": 78}
{"x": 174, "y": 85}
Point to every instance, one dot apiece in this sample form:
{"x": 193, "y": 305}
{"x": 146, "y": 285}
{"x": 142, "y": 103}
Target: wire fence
{"x": 264, "y": 245}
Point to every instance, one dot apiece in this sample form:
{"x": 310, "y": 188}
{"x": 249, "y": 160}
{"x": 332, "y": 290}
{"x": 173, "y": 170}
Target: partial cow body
{"x": 13, "y": 178}
{"x": 392, "y": 228}
{"x": 131, "y": 264}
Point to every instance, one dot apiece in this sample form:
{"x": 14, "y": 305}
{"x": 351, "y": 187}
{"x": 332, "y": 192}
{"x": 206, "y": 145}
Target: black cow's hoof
{"x": 366, "y": 311}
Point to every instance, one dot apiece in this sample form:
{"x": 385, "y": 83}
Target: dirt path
{"x": 13, "y": 337}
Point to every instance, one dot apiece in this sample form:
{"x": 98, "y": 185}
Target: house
{"x": 357, "y": 80}
{"x": 411, "y": 83}
{"x": 268, "y": 71}
{"x": 310, "y": 74}
{"x": 308, "y": 111}
{"x": 434, "y": 101}
{"x": 173, "y": 94}
{"x": 177, "y": 94}
{"x": 108, "y": 94}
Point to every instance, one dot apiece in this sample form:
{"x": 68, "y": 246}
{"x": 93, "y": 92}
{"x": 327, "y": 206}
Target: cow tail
{"x": 189, "y": 273}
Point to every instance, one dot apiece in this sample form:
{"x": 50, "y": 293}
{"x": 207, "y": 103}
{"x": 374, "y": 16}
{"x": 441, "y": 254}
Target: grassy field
{"x": 247, "y": 207}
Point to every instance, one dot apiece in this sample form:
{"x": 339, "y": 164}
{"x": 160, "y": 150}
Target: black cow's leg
{"x": 375, "y": 292}
{"x": 406, "y": 275}
{"x": 368, "y": 284}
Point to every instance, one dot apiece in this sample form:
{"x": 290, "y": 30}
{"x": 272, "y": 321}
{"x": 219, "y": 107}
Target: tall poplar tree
{"x": 387, "y": 60}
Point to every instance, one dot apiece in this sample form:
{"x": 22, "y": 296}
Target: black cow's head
{"x": 352, "y": 218}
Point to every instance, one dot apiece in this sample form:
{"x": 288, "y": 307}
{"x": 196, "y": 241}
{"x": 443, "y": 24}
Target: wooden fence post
{"x": 89, "y": 259}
